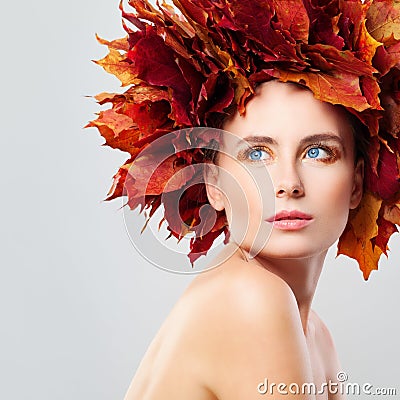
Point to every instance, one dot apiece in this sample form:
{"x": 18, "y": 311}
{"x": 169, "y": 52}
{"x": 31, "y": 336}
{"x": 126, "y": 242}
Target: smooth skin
{"x": 250, "y": 318}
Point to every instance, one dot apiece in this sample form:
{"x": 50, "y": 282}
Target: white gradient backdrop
{"x": 78, "y": 304}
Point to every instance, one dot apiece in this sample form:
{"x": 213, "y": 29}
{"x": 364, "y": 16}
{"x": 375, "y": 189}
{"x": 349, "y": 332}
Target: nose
{"x": 289, "y": 191}
{"x": 288, "y": 182}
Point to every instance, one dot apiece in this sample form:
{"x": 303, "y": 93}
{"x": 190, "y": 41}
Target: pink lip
{"x": 290, "y": 220}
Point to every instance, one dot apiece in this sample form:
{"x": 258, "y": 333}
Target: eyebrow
{"x": 324, "y": 136}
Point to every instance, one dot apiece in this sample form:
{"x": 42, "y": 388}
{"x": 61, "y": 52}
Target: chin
{"x": 294, "y": 247}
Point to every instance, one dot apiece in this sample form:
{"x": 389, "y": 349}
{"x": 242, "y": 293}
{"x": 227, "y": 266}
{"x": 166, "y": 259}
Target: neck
{"x": 302, "y": 276}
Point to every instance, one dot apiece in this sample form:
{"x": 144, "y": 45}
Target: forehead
{"x": 285, "y": 111}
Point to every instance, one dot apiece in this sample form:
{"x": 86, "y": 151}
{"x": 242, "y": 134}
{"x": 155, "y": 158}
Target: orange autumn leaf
{"x": 118, "y": 130}
{"x": 115, "y": 63}
{"x": 361, "y": 250}
{"x": 156, "y": 174}
{"x": 392, "y": 213}
{"x": 337, "y": 89}
{"x": 292, "y": 14}
{"x": 115, "y": 121}
{"x": 135, "y": 116}
{"x": 117, "y": 44}
{"x": 367, "y": 45}
{"x": 135, "y": 95}
{"x": 364, "y": 217}
{"x": 371, "y": 90}
{"x": 141, "y": 94}
{"x": 383, "y": 21}
{"x": 106, "y": 97}
{"x": 356, "y": 240}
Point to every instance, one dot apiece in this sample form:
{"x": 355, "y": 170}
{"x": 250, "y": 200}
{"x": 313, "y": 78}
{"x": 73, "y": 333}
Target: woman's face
{"x": 307, "y": 148}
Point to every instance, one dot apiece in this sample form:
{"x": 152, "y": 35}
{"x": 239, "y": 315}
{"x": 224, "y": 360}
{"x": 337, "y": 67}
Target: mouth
{"x": 290, "y": 220}
{"x": 290, "y": 215}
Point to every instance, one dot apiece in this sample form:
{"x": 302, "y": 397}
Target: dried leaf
{"x": 361, "y": 250}
{"x": 386, "y": 183}
{"x": 385, "y": 231}
{"x": 370, "y": 89}
{"x": 159, "y": 173}
{"x": 200, "y": 245}
{"x": 118, "y": 130}
{"x": 115, "y": 63}
{"x": 367, "y": 45}
{"x": 156, "y": 64}
{"x": 387, "y": 58}
{"x": 392, "y": 213}
{"x": 292, "y": 15}
{"x": 340, "y": 88}
{"x": 383, "y": 21}
{"x": 356, "y": 241}
{"x": 117, "y": 44}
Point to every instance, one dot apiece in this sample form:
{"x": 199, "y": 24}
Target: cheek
{"x": 246, "y": 188}
{"x": 332, "y": 192}
{"x": 249, "y": 199}
{"x": 235, "y": 191}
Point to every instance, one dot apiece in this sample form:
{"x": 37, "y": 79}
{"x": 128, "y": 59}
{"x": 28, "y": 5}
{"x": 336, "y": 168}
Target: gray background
{"x": 78, "y": 304}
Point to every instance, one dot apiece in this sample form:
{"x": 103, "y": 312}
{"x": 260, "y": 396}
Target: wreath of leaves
{"x": 183, "y": 68}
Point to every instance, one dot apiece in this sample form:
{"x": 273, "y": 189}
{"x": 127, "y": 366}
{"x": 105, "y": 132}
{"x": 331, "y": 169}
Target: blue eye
{"x": 317, "y": 152}
{"x": 256, "y": 154}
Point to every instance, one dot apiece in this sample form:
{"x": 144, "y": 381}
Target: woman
{"x": 251, "y": 319}
{"x": 243, "y": 328}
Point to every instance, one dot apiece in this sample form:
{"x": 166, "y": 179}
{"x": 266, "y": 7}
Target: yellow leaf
{"x": 115, "y": 63}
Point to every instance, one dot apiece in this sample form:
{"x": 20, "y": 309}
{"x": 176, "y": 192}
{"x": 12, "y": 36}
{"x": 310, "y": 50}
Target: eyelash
{"x": 332, "y": 152}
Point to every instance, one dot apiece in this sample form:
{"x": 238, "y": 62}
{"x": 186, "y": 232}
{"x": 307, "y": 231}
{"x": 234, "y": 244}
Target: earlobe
{"x": 357, "y": 191}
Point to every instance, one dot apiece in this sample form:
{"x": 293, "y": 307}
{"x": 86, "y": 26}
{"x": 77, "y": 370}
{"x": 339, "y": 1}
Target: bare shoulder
{"x": 233, "y": 327}
{"x": 244, "y": 293}
{"x": 246, "y": 318}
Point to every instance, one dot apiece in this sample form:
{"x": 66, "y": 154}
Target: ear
{"x": 214, "y": 194}
{"x": 357, "y": 191}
